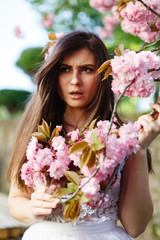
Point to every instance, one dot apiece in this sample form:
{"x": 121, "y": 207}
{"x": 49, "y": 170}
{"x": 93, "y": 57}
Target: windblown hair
{"x": 46, "y": 103}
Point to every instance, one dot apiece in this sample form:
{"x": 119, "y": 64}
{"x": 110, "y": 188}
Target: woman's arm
{"x": 135, "y": 204}
{"x": 30, "y": 207}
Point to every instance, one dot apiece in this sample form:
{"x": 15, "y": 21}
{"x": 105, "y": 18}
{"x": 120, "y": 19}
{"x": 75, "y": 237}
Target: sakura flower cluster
{"x": 121, "y": 142}
{"x": 137, "y": 67}
{"x": 102, "y": 5}
{"x": 109, "y": 21}
{"x": 51, "y": 160}
{"x": 45, "y": 161}
{"x": 139, "y": 21}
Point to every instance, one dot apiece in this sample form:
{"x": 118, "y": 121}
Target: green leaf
{"x": 72, "y": 210}
{"x": 119, "y": 51}
{"x": 80, "y": 146}
{"x": 41, "y": 130}
{"x": 72, "y": 177}
{"x": 46, "y": 128}
{"x": 96, "y": 141}
{"x": 55, "y": 132}
{"x": 72, "y": 187}
{"x": 91, "y": 126}
{"x": 87, "y": 159}
{"x": 84, "y": 199}
{"x": 39, "y": 136}
{"x": 62, "y": 192}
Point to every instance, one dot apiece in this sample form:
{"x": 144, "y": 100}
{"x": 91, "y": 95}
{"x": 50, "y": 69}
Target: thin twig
{"x": 155, "y": 49}
{"x": 97, "y": 168}
{"x": 108, "y": 187}
{"x": 147, "y": 46}
{"x": 149, "y": 8}
{"x": 153, "y": 69}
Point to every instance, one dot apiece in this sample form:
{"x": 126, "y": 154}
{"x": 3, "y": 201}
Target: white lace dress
{"x": 89, "y": 226}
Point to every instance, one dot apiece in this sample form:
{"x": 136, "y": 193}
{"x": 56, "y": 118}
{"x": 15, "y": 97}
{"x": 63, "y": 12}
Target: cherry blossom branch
{"x": 155, "y": 49}
{"x": 148, "y": 45}
{"x": 80, "y": 187}
{"x": 97, "y": 168}
{"x": 149, "y": 8}
{"x": 116, "y": 105}
{"x": 108, "y": 186}
{"x": 153, "y": 69}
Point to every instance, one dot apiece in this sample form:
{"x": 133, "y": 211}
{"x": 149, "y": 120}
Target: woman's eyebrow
{"x": 81, "y": 65}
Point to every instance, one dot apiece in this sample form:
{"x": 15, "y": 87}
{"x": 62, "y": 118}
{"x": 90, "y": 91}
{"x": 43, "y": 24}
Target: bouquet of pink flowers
{"x": 84, "y": 160}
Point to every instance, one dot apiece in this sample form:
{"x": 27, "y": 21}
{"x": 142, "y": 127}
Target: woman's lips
{"x": 76, "y": 94}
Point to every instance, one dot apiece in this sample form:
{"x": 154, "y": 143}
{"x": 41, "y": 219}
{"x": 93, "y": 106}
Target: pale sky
{"x": 13, "y": 13}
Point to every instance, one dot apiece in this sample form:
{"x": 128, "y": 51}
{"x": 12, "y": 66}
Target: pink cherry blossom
{"x": 102, "y": 5}
{"x": 58, "y": 143}
{"x": 18, "y": 33}
{"x": 109, "y": 21}
{"x": 134, "y": 66}
{"x": 47, "y": 20}
{"x": 91, "y": 188}
{"x": 138, "y": 20}
{"x": 32, "y": 148}
{"x": 57, "y": 169}
{"x": 74, "y": 135}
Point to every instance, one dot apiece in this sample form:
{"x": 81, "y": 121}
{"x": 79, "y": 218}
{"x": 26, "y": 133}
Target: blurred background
{"x": 25, "y": 25}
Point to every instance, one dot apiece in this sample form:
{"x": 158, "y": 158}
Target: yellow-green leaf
{"x": 55, "y": 132}
{"x": 80, "y": 146}
{"x": 41, "y": 130}
{"x": 107, "y": 72}
{"x": 49, "y": 44}
{"x": 61, "y": 192}
{"x": 72, "y": 187}
{"x": 45, "y": 127}
{"x": 72, "y": 210}
{"x": 119, "y": 51}
{"x": 104, "y": 66}
{"x": 96, "y": 141}
{"x": 87, "y": 159}
{"x": 39, "y": 136}
{"x": 91, "y": 126}
{"x": 84, "y": 199}
{"x": 72, "y": 177}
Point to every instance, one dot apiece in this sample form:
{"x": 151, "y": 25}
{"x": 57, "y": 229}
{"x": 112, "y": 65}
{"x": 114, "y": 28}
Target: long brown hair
{"x": 46, "y": 103}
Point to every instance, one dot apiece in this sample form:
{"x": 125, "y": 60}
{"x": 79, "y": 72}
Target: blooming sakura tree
{"x": 138, "y": 17}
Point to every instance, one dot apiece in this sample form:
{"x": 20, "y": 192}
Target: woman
{"x": 70, "y": 93}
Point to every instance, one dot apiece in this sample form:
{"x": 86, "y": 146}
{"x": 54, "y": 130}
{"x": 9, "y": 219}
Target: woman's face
{"x": 77, "y": 79}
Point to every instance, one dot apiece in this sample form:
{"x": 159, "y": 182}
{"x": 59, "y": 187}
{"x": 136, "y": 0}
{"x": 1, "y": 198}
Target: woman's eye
{"x": 87, "y": 70}
{"x": 63, "y": 69}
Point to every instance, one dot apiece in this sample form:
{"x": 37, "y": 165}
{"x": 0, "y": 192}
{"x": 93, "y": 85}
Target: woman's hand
{"x": 150, "y": 127}
{"x": 42, "y": 202}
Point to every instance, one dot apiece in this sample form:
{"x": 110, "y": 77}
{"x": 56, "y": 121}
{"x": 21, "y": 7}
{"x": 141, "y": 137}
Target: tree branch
{"x": 147, "y": 46}
{"x": 153, "y": 69}
{"x": 97, "y": 168}
{"x": 149, "y": 8}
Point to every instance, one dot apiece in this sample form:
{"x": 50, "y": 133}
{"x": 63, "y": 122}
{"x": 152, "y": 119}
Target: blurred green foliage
{"x": 30, "y": 60}
{"x": 13, "y": 100}
{"x": 69, "y": 14}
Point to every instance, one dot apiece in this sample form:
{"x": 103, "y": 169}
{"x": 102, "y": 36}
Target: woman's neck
{"x": 73, "y": 120}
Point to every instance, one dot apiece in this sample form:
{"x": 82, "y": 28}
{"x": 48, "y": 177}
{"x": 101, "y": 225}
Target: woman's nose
{"x": 75, "y": 78}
